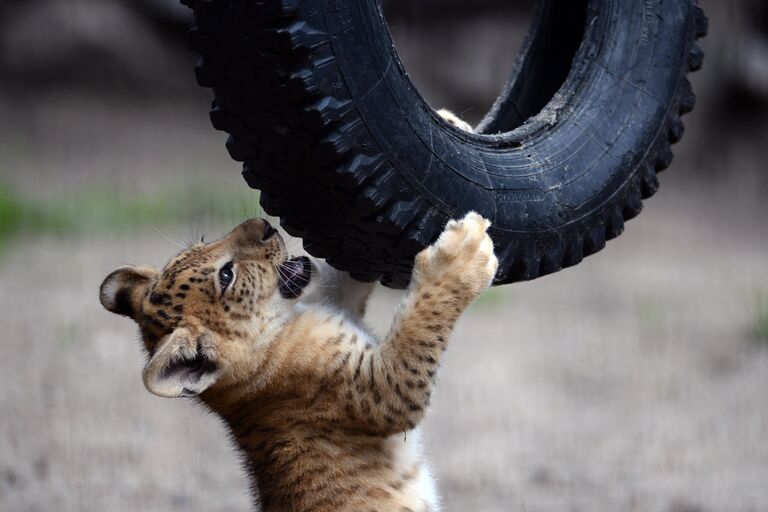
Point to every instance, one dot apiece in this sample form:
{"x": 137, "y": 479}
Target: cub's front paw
{"x": 463, "y": 254}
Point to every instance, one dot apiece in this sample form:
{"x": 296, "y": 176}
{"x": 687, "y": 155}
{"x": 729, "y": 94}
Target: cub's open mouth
{"x": 293, "y": 276}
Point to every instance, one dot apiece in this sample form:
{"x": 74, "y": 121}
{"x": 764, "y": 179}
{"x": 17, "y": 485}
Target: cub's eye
{"x": 226, "y": 275}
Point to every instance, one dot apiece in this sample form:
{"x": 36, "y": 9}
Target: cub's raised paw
{"x": 462, "y": 255}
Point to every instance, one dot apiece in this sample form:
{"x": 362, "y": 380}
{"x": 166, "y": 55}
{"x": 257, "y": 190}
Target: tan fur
{"x": 455, "y": 120}
{"x": 319, "y": 406}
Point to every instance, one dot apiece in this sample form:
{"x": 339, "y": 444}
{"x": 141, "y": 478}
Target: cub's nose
{"x": 269, "y": 231}
{"x": 253, "y": 231}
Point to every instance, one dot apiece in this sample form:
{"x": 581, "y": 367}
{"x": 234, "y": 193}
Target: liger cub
{"x": 277, "y": 347}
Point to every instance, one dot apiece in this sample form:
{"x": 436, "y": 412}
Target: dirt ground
{"x": 632, "y": 382}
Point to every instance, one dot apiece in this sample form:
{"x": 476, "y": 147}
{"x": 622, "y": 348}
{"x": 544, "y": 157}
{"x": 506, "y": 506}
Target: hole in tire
{"x": 459, "y": 54}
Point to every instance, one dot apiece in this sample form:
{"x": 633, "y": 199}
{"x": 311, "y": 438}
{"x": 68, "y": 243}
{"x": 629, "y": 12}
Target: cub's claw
{"x": 463, "y": 254}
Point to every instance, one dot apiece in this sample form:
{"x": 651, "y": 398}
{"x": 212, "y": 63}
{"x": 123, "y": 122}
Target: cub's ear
{"x": 123, "y": 289}
{"x": 185, "y": 364}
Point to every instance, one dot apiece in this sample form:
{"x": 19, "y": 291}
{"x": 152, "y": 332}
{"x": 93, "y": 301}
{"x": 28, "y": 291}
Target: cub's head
{"x": 203, "y": 317}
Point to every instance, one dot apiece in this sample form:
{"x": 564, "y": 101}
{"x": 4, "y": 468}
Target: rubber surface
{"x": 352, "y": 159}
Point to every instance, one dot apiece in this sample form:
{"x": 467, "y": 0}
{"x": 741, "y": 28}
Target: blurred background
{"x": 636, "y": 381}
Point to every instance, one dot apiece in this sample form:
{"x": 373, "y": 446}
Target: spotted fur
{"x": 323, "y": 411}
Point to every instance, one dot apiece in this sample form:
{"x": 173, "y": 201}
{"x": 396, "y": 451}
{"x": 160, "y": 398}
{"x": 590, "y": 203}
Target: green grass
{"x": 760, "y": 324}
{"x": 492, "y": 299}
{"x": 102, "y": 208}
{"x": 12, "y": 215}
{"x": 761, "y": 327}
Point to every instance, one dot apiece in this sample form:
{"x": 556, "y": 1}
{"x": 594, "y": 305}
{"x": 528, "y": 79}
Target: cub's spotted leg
{"x": 394, "y": 382}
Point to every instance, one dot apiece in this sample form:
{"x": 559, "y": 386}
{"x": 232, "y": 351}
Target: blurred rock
{"x": 169, "y": 12}
{"x": 749, "y": 48}
{"x": 88, "y": 43}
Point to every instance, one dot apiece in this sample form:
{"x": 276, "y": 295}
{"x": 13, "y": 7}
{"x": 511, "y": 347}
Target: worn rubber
{"x": 352, "y": 159}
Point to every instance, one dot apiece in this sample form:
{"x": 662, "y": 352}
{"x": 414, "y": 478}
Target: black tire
{"x": 353, "y": 160}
